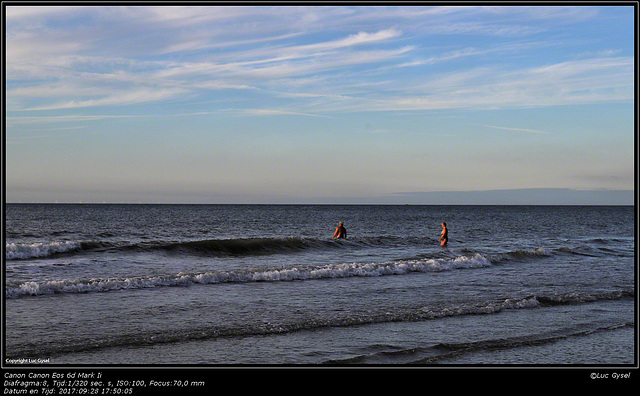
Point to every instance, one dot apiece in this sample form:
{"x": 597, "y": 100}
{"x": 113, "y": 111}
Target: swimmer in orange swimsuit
{"x": 445, "y": 235}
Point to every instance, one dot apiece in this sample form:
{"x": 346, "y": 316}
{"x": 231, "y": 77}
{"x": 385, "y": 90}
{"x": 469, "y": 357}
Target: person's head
{"x": 444, "y": 224}
{"x": 340, "y": 223}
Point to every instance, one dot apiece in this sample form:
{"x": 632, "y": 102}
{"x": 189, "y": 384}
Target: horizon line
{"x": 315, "y": 204}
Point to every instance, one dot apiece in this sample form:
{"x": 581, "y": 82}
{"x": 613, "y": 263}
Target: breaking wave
{"x": 250, "y": 247}
{"x": 246, "y": 246}
{"x": 520, "y": 254}
{"x": 256, "y": 246}
{"x": 14, "y": 251}
{"x": 444, "y": 352}
{"x": 407, "y": 314}
{"x": 212, "y": 247}
{"x": 298, "y": 273}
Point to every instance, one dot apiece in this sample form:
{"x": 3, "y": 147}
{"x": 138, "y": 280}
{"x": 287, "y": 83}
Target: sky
{"x": 320, "y": 104}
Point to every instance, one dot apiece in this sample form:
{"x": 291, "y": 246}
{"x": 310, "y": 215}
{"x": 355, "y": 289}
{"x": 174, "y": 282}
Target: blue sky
{"x": 312, "y": 104}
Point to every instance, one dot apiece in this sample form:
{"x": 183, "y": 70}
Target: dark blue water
{"x": 265, "y": 284}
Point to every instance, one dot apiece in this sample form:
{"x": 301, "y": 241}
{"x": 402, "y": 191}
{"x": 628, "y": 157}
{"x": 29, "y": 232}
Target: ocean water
{"x": 226, "y": 285}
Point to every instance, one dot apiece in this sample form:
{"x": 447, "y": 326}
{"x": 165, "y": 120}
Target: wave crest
{"x": 247, "y": 246}
{"x": 520, "y": 254}
{"x": 215, "y": 247}
{"x": 15, "y": 251}
{"x": 344, "y": 270}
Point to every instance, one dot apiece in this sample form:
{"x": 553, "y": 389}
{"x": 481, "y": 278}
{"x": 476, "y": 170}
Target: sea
{"x": 267, "y": 286}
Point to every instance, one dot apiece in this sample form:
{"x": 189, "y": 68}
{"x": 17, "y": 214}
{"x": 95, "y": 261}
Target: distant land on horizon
{"x": 525, "y": 196}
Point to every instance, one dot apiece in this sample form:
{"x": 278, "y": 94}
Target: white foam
{"x": 344, "y": 270}
{"x": 480, "y": 308}
{"x": 29, "y": 250}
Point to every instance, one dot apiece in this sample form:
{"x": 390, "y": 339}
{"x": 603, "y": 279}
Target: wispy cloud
{"x": 375, "y": 59}
{"x": 514, "y": 129}
{"x": 267, "y": 112}
{"x": 64, "y": 118}
{"x": 595, "y": 80}
{"x": 354, "y": 39}
{"x": 126, "y": 98}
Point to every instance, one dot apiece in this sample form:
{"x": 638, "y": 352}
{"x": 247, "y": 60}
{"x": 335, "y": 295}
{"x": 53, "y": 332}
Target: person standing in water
{"x": 341, "y": 232}
{"x": 445, "y": 235}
